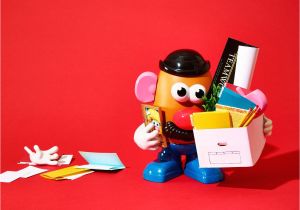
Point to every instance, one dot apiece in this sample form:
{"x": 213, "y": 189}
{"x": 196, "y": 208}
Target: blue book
{"x": 230, "y": 98}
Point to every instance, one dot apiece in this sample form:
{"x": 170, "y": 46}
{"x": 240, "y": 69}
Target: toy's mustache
{"x": 174, "y": 132}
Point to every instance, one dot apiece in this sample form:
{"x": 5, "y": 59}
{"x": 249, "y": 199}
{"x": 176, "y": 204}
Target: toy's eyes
{"x": 180, "y": 92}
{"x": 156, "y": 124}
{"x": 196, "y": 93}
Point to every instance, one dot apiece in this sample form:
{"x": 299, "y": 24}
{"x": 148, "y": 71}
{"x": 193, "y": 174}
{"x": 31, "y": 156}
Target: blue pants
{"x": 168, "y": 166}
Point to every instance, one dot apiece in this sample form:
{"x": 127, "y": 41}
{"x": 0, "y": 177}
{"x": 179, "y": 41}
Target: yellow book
{"x": 62, "y": 173}
{"x": 214, "y": 119}
{"x": 237, "y": 115}
{"x": 153, "y": 114}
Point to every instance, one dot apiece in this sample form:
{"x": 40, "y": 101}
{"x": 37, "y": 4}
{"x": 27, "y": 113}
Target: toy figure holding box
{"x": 183, "y": 80}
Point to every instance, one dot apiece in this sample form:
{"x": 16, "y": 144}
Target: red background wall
{"x": 68, "y": 74}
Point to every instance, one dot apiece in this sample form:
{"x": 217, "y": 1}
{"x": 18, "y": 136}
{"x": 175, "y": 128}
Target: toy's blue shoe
{"x": 204, "y": 175}
{"x": 166, "y": 167}
{"x": 162, "y": 171}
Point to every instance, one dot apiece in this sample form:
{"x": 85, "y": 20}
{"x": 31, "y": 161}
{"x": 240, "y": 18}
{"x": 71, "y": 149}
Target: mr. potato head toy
{"x": 183, "y": 80}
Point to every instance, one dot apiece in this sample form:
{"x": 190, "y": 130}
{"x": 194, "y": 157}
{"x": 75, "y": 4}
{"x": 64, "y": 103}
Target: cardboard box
{"x": 230, "y": 147}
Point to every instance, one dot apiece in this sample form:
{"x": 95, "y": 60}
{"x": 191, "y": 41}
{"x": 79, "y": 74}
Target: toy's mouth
{"x": 174, "y": 132}
{"x": 182, "y": 118}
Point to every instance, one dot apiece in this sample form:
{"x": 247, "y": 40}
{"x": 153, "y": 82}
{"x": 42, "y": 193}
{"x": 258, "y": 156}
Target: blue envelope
{"x": 101, "y": 161}
{"x": 230, "y": 98}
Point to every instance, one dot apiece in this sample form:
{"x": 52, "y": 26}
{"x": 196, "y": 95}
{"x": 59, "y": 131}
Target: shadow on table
{"x": 269, "y": 172}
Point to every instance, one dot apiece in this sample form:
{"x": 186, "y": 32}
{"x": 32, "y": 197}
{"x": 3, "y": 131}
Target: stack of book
{"x": 241, "y": 109}
{"x": 232, "y": 111}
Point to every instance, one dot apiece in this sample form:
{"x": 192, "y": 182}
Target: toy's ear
{"x": 145, "y": 87}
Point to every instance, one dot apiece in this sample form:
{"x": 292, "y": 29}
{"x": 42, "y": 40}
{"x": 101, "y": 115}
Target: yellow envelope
{"x": 214, "y": 119}
{"x": 62, "y": 173}
{"x": 238, "y": 116}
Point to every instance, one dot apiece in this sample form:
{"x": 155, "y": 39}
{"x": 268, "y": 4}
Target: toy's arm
{"x": 268, "y": 126}
{"x": 147, "y": 139}
{"x": 41, "y": 157}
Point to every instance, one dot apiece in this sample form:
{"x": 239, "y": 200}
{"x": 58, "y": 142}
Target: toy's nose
{"x": 182, "y": 118}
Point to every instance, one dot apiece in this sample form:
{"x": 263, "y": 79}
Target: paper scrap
{"x": 103, "y": 161}
{"x": 26, "y": 163}
{"x": 64, "y": 172}
{"x": 65, "y": 159}
{"x": 30, "y": 171}
{"x": 9, "y": 176}
{"x": 73, "y": 177}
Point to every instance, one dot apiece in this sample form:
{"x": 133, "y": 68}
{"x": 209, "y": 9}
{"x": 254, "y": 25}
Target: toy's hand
{"x": 40, "y": 157}
{"x": 147, "y": 139}
{"x": 268, "y": 126}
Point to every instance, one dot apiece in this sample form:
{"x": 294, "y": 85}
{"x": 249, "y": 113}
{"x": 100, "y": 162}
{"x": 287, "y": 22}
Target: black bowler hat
{"x": 184, "y": 63}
